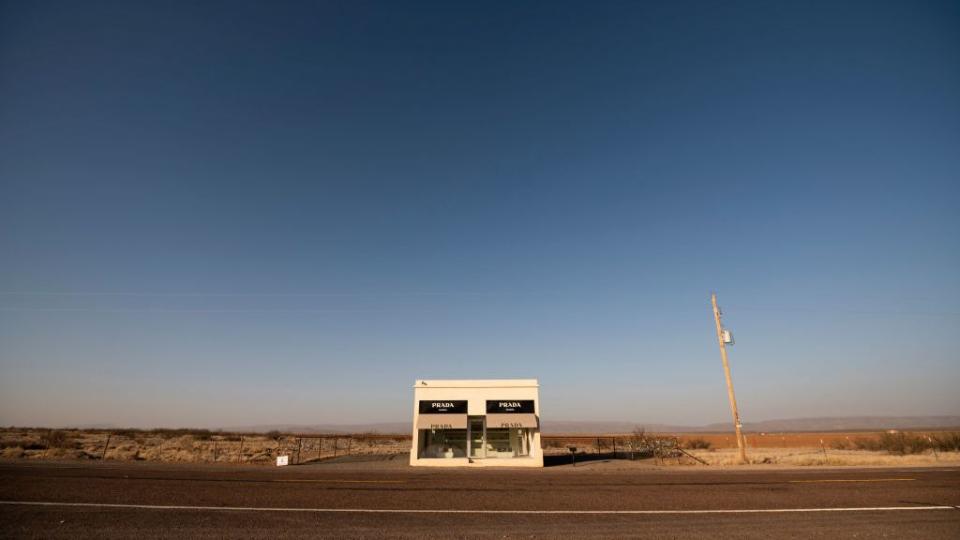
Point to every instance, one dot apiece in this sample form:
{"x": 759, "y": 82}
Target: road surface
{"x": 124, "y": 500}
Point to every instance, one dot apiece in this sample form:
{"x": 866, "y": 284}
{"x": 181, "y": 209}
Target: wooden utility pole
{"x": 726, "y": 370}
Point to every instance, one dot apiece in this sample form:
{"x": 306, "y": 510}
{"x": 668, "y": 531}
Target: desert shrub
{"x": 54, "y": 439}
{"x": 12, "y": 452}
{"x": 904, "y": 443}
{"x": 840, "y": 445}
{"x": 198, "y": 434}
{"x": 697, "y": 444}
{"x": 273, "y": 434}
{"x": 907, "y": 443}
{"x": 898, "y": 442}
{"x": 225, "y": 436}
{"x": 128, "y": 433}
{"x": 11, "y": 444}
{"x": 865, "y": 443}
{"x": 645, "y": 445}
{"x": 947, "y": 442}
{"x": 172, "y": 433}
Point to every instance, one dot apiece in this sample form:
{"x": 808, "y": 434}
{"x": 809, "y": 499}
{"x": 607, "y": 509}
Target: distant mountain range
{"x": 829, "y": 423}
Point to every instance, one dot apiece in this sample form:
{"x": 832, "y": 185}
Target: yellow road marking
{"x": 847, "y": 480}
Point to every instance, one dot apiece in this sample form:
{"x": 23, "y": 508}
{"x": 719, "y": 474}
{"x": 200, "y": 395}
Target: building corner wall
{"x": 415, "y": 439}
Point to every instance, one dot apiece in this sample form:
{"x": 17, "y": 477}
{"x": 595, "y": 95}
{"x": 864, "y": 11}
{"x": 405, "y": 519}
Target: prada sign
{"x": 443, "y": 406}
{"x": 500, "y": 406}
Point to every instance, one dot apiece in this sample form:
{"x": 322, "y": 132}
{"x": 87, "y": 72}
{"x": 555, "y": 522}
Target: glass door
{"x": 476, "y": 437}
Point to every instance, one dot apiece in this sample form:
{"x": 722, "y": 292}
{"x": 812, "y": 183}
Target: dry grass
{"x": 195, "y": 446}
{"x": 192, "y": 446}
{"x": 804, "y": 457}
{"x": 830, "y": 439}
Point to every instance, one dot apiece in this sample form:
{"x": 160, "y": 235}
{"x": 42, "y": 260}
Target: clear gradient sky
{"x": 220, "y": 214}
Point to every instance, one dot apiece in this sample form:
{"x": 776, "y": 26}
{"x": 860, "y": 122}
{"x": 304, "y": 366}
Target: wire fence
{"x": 201, "y": 446}
{"x": 305, "y": 448}
{"x": 240, "y": 449}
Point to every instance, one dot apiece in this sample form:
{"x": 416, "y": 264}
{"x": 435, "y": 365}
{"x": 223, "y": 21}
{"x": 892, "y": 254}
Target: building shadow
{"x": 576, "y": 459}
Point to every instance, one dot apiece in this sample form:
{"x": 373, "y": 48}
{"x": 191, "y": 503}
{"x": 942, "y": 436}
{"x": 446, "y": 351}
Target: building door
{"x": 476, "y": 437}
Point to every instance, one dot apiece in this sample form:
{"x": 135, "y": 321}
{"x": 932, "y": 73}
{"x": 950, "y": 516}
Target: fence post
{"x": 214, "y": 450}
{"x": 933, "y": 447}
{"x": 320, "y": 448}
{"x": 299, "y": 445}
{"x": 336, "y": 443}
{"x": 240, "y": 451}
{"x": 349, "y": 445}
{"x": 103, "y": 455}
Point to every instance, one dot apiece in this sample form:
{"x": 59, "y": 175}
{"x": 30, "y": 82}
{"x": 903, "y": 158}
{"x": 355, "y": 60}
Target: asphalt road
{"x": 123, "y": 500}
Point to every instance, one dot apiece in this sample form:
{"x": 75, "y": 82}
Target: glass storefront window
{"x": 443, "y": 443}
{"x": 510, "y": 442}
{"x": 478, "y": 441}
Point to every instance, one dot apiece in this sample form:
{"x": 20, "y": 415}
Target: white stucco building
{"x": 476, "y": 423}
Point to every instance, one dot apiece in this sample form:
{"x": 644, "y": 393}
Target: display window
{"x": 483, "y": 442}
{"x": 443, "y": 443}
{"x": 507, "y": 443}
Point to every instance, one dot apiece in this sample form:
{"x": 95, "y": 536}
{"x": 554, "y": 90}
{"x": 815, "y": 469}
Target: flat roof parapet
{"x": 476, "y": 383}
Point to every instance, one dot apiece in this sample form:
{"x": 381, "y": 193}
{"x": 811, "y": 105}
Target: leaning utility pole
{"x": 722, "y": 338}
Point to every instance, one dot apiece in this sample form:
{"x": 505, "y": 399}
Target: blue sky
{"x": 236, "y": 213}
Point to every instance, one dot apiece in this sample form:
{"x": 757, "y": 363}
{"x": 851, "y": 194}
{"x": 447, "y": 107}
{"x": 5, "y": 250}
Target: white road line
{"x": 452, "y": 511}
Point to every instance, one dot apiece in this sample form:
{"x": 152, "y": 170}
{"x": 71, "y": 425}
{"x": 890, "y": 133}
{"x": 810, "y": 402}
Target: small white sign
{"x": 283, "y": 461}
